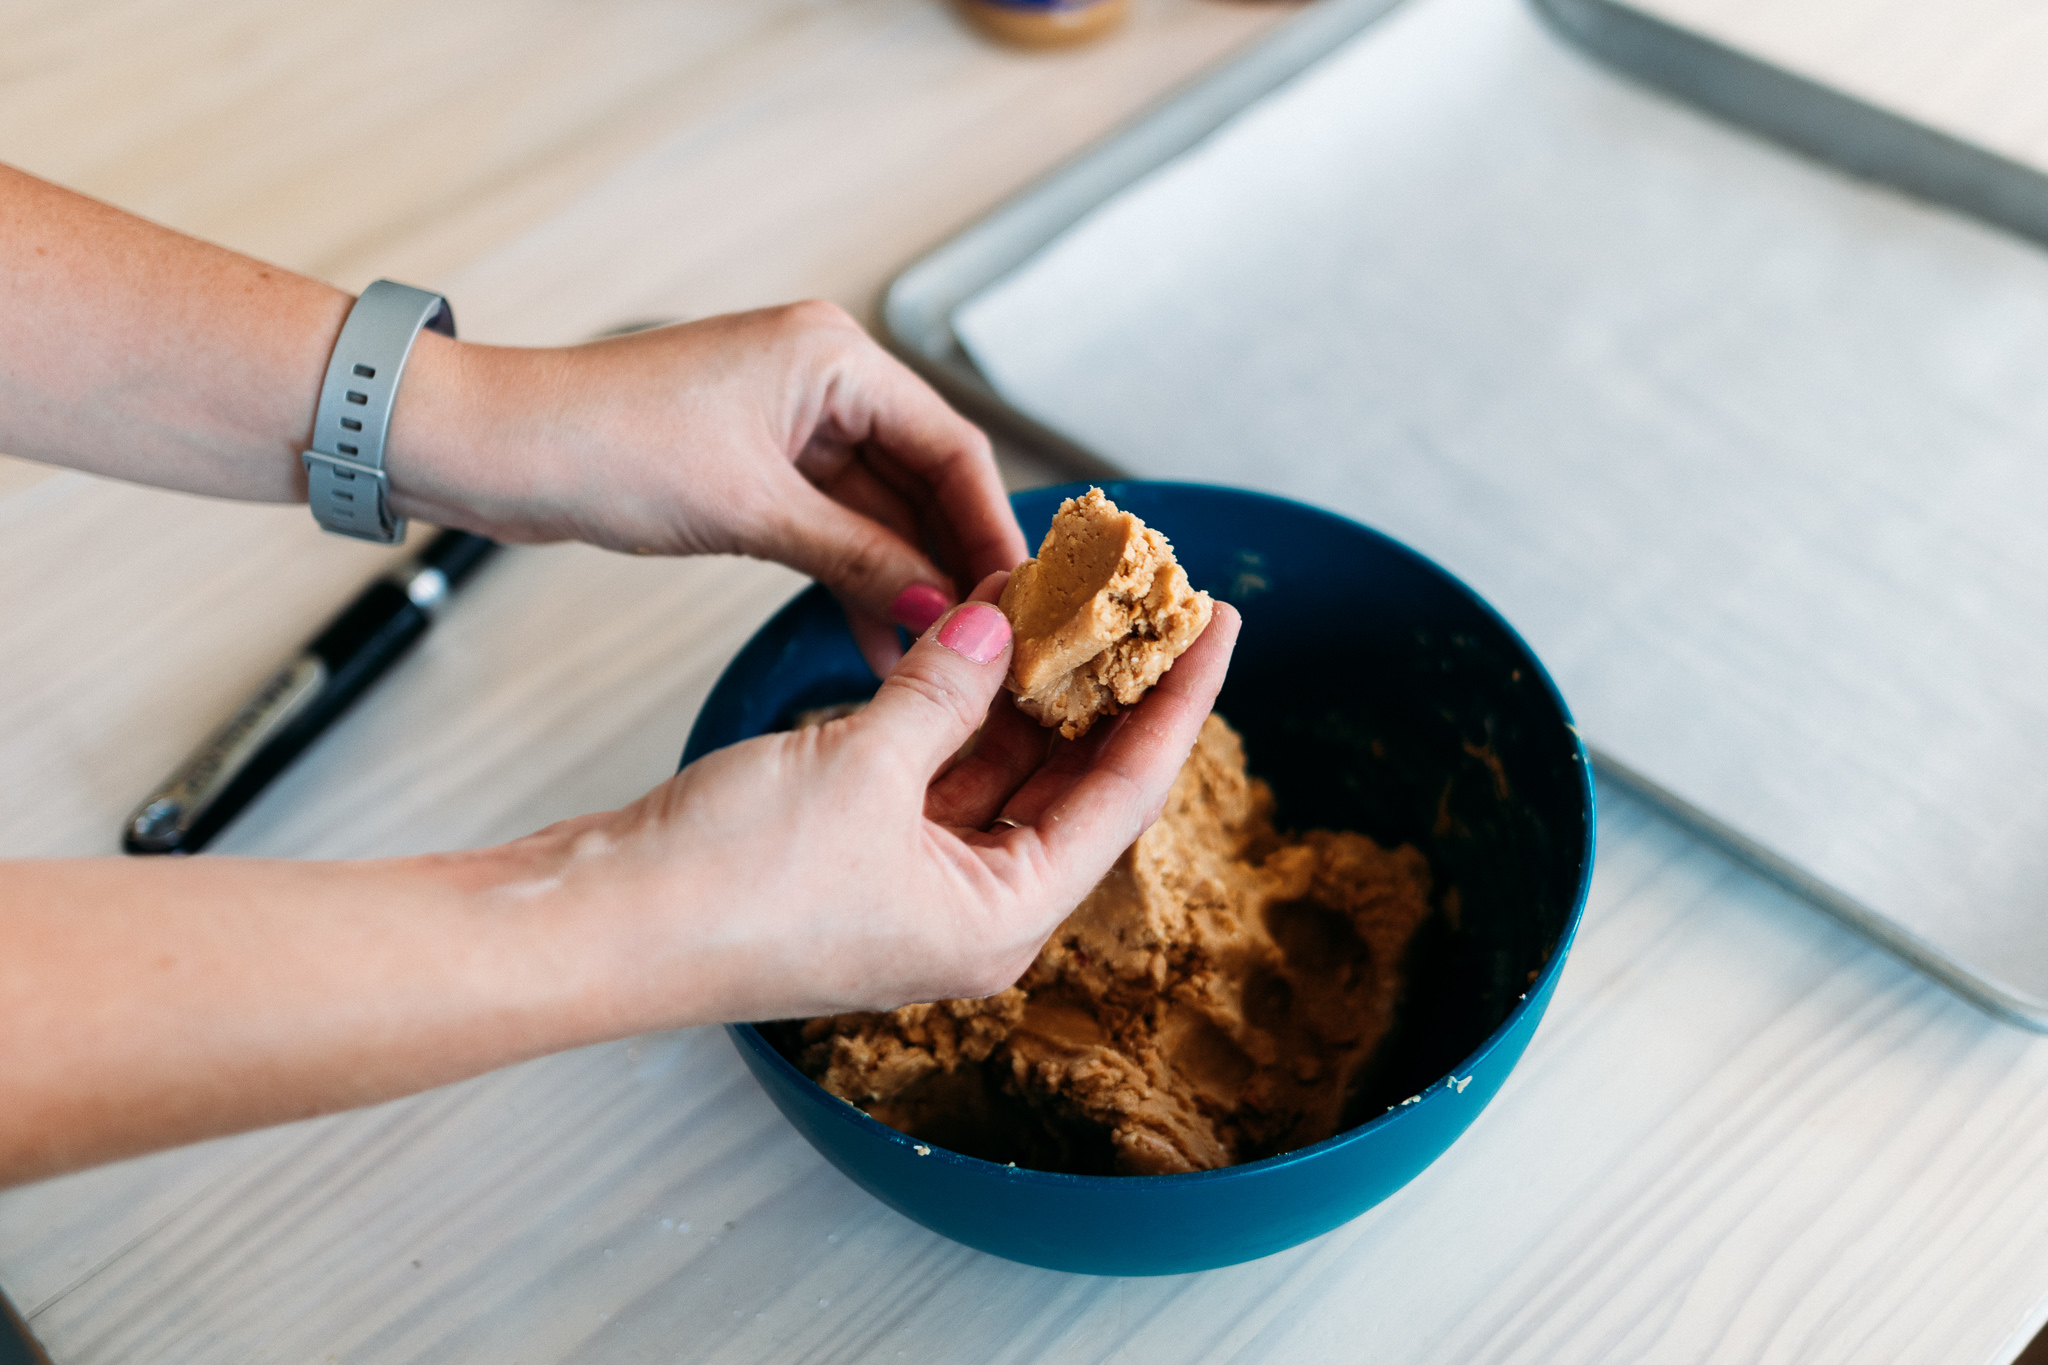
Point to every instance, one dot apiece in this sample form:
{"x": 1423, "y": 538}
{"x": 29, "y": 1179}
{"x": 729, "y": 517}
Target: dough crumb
{"x": 1098, "y": 616}
{"x": 1216, "y": 999}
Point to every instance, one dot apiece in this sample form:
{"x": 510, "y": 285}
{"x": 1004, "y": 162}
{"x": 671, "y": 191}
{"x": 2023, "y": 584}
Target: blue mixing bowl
{"x": 1376, "y": 693}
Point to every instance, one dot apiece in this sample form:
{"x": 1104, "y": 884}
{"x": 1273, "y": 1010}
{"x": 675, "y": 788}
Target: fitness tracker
{"x": 345, "y": 481}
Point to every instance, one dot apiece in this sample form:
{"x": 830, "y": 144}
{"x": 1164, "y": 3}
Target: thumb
{"x": 940, "y": 693}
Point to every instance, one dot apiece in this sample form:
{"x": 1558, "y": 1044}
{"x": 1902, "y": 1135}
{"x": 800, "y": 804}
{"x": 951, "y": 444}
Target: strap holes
{"x": 365, "y": 372}
{"x": 351, "y": 424}
{"x": 358, "y": 398}
{"x": 344, "y": 497}
{"x": 344, "y": 447}
{"x": 346, "y": 475}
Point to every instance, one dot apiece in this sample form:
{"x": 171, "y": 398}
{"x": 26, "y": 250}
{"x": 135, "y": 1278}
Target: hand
{"x": 786, "y": 434}
{"x": 848, "y": 866}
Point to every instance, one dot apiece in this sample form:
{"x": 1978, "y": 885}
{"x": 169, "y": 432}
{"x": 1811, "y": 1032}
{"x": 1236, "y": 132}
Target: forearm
{"x": 148, "y": 1004}
{"x": 131, "y": 350}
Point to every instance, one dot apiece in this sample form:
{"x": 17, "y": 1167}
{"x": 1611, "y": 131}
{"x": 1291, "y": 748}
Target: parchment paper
{"x": 1752, "y": 453}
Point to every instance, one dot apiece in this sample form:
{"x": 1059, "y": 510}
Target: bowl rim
{"x": 749, "y": 1036}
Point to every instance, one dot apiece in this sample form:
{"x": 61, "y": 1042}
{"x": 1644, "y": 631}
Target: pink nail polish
{"x": 977, "y": 632}
{"x": 917, "y": 606}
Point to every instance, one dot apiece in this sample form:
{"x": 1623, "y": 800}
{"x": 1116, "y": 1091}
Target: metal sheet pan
{"x": 919, "y": 305}
{"x": 1861, "y": 138}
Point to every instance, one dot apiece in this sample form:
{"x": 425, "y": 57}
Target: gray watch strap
{"x": 345, "y": 481}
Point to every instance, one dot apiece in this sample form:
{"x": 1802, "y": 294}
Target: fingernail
{"x": 976, "y": 632}
{"x": 917, "y": 606}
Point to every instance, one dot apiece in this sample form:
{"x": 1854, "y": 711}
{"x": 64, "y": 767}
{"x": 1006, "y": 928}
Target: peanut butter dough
{"x": 1212, "y": 1001}
{"x": 1098, "y": 616}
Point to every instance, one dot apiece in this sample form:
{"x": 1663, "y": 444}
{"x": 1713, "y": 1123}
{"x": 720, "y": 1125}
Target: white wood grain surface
{"x": 1741, "y": 1135}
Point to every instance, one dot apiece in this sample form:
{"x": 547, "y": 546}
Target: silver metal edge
{"x": 181, "y": 799}
{"x": 918, "y": 304}
{"x": 425, "y": 587}
{"x": 2000, "y": 1002}
{"x": 1809, "y": 117}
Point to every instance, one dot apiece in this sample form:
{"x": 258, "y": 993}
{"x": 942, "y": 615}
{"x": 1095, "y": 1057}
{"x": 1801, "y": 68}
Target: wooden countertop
{"x": 1741, "y": 1134}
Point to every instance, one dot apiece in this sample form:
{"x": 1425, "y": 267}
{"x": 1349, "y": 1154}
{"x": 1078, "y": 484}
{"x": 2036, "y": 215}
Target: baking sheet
{"x": 1854, "y": 134}
{"x": 1747, "y": 448}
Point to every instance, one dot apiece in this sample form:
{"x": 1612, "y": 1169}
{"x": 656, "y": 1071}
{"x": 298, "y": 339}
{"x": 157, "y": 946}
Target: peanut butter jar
{"x": 1045, "y": 23}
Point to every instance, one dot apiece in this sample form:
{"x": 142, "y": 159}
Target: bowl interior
{"x": 1374, "y": 693}
{"x": 1415, "y": 729}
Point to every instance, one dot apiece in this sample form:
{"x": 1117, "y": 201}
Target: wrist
{"x": 458, "y": 450}
{"x": 531, "y": 964}
{"x": 574, "y": 913}
{"x": 632, "y": 926}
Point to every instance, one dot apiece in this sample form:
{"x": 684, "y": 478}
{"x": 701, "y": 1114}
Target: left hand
{"x": 852, "y": 865}
{"x": 786, "y": 434}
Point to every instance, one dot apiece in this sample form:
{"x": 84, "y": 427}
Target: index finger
{"x": 952, "y": 459}
{"x": 1084, "y": 826}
